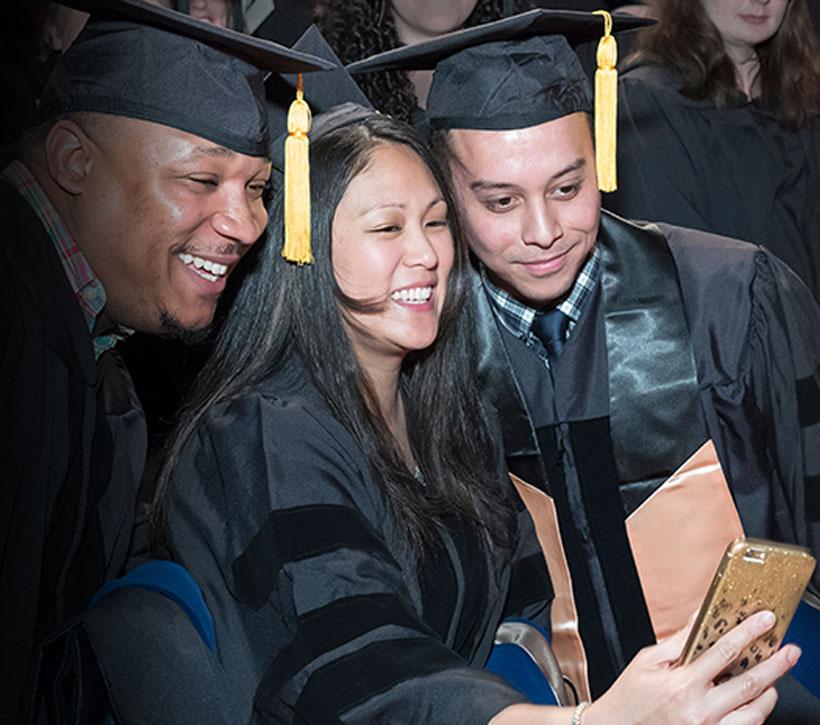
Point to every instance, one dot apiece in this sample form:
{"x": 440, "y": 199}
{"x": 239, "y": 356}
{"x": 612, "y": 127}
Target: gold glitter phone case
{"x": 754, "y": 575}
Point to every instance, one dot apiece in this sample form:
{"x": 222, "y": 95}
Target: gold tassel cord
{"x": 297, "y": 182}
{"x": 606, "y": 108}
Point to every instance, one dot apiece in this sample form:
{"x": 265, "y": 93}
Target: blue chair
{"x": 173, "y": 581}
{"x": 805, "y": 632}
{"x": 523, "y": 658}
{"x": 144, "y": 651}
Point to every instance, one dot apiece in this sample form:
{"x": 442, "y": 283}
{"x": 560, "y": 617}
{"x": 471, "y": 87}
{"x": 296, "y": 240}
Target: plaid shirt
{"x": 87, "y": 289}
{"x": 517, "y": 317}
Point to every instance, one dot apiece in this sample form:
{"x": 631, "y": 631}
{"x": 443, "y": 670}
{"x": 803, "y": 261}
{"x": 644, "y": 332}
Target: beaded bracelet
{"x": 578, "y": 712}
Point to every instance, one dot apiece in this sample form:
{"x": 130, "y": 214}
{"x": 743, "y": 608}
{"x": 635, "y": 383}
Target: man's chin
{"x": 171, "y": 328}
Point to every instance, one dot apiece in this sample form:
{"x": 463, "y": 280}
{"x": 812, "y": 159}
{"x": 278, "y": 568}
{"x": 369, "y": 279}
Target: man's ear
{"x": 69, "y": 156}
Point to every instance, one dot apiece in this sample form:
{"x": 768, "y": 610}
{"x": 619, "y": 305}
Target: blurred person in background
{"x": 361, "y": 28}
{"x": 34, "y": 38}
{"x": 719, "y": 126}
{"x": 58, "y": 26}
{"x": 223, "y": 13}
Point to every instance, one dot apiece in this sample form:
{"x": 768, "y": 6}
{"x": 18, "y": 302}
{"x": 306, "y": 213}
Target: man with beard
{"x": 659, "y": 388}
{"x": 135, "y": 195}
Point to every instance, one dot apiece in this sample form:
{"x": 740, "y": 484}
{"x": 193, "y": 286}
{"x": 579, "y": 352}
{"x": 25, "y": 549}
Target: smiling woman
{"x": 393, "y": 247}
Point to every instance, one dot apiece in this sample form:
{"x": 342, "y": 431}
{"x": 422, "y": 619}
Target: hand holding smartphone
{"x": 753, "y": 575}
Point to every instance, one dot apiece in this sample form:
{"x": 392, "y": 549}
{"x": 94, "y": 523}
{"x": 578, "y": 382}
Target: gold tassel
{"x": 297, "y": 182}
{"x": 606, "y": 108}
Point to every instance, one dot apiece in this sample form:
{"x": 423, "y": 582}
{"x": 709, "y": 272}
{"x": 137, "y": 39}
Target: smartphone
{"x": 753, "y": 575}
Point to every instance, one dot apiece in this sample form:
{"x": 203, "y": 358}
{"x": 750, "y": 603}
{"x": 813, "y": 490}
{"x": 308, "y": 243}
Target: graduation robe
{"x": 321, "y": 615}
{"x": 691, "y": 346}
{"x": 732, "y": 171}
{"x": 72, "y": 448}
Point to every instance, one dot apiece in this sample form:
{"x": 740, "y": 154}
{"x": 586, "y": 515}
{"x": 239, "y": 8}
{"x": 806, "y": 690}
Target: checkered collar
{"x": 88, "y": 290}
{"x": 517, "y": 317}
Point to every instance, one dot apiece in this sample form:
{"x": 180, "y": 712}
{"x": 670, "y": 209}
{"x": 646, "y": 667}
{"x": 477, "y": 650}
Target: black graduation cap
{"x": 334, "y": 97}
{"x": 589, "y": 5}
{"x": 144, "y": 61}
{"x": 512, "y": 73}
{"x": 518, "y": 72}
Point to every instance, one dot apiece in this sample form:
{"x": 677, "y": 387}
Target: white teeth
{"x": 215, "y": 269}
{"x": 412, "y": 295}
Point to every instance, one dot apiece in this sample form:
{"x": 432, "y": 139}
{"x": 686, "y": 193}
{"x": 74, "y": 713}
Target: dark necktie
{"x": 551, "y": 328}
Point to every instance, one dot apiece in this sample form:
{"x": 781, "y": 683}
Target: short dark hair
{"x": 443, "y": 153}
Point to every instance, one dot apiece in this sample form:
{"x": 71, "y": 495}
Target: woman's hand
{"x": 652, "y": 689}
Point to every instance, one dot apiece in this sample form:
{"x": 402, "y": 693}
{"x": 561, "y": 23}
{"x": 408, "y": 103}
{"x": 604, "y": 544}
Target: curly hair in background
{"x": 685, "y": 39}
{"x": 361, "y": 28}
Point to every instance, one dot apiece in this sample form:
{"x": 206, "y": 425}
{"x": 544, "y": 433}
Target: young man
{"x": 659, "y": 388}
{"x": 133, "y": 199}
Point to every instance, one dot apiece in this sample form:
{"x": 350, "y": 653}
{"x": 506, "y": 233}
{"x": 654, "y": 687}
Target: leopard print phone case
{"x": 754, "y": 575}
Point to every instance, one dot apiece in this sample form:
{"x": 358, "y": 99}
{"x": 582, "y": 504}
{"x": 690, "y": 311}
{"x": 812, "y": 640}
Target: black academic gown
{"x": 733, "y": 172}
{"x": 717, "y": 340}
{"x": 72, "y": 448}
{"x": 320, "y": 615}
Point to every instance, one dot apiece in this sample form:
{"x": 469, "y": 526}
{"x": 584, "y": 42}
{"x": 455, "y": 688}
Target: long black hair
{"x": 282, "y": 310}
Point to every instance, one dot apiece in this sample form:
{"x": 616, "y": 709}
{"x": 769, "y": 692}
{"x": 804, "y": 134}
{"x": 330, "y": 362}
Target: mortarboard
{"x": 518, "y": 72}
{"x": 586, "y": 5}
{"x": 144, "y": 61}
{"x": 335, "y": 89}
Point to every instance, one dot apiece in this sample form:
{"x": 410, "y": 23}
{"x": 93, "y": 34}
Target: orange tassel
{"x": 297, "y": 181}
{"x": 606, "y": 108}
